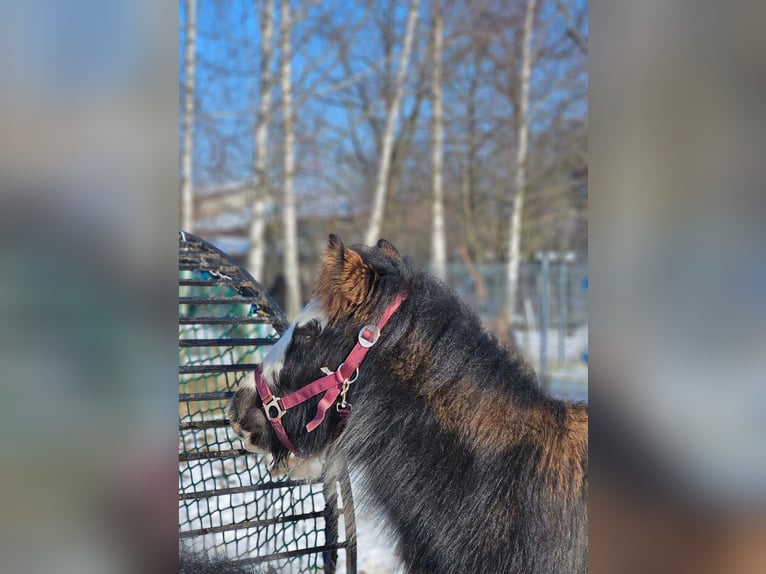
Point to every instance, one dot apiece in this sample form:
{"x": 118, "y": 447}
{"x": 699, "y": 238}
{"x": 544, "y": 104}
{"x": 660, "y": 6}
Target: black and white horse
{"x": 474, "y": 467}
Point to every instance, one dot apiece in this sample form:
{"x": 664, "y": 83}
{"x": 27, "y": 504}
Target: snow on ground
{"x": 375, "y": 551}
{"x": 375, "y": 554}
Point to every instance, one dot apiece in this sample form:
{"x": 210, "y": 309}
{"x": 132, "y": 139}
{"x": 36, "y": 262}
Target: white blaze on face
{"x": 275, "y": 359}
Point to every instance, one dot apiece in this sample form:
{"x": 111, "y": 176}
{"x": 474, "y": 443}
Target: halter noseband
{"x": 333, "y": 384}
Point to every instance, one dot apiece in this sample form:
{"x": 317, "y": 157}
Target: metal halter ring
{"x": 367, "y": 343}
{"x": 354, "y": 375}
{"x": 273, "y": 404}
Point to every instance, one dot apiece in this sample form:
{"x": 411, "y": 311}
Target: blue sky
{"x": 227, "y": 40}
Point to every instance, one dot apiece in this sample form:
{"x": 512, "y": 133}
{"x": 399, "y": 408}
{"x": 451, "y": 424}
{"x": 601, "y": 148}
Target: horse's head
{"x": 356, "y": 287}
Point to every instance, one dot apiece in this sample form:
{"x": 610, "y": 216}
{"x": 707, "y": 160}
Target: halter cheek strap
{"x": 273, "y": 410}
{"x": 332, "y": 385}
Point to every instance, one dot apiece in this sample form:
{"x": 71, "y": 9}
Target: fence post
{"x": 562, "y": 311}
{"x": 544, "y": 259}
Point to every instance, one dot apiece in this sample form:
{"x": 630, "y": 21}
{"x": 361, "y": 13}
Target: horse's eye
{"x": 310, "y": 329}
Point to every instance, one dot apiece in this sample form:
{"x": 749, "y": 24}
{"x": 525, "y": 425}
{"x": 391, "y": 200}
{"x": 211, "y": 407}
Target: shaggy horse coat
{"x": 475, "y": 468}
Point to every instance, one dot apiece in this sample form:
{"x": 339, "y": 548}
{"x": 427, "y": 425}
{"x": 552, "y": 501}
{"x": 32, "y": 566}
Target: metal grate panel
{"x": 230, "y": 502}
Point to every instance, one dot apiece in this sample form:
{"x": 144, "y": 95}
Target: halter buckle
{"x": 371, "y": 331}
{"x": 273, "y": 404}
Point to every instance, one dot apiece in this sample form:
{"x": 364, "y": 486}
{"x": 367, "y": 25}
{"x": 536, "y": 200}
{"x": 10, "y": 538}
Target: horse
{"x": 474, "y": 467}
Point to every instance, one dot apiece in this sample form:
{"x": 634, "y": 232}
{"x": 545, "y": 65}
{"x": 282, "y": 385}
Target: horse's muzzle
{"x": 246, "y": 419}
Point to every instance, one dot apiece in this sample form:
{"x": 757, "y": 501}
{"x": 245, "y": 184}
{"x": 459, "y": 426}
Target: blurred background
{"x": 456, "y": 130}
{"x": 92, "y": 121}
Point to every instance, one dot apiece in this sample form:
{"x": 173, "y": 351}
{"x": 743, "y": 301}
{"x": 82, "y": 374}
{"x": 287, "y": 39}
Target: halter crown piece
{"x": 333, "y": 384}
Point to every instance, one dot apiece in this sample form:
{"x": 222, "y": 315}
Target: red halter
{"x": 332, "y": 385}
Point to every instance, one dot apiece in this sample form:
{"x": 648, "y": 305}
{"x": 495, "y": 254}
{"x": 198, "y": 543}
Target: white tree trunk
{"x": 187, "y": 152}
{"x": 438, "y": 236}
{"x": 468, "y": 179}
{"x": 290, "y": 267}
{"x": 376, "y": 218}
{"x": 514, "y": 247}
{"x": 260, "y": 180}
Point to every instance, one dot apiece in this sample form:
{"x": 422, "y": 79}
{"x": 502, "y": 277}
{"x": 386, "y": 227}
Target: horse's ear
{"x": 388, "y": 248}
{"x": 334, "y": 242}
{"x": 345, "y": 280}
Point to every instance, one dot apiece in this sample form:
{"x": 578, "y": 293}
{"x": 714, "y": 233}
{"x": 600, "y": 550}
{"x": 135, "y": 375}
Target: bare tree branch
{"x": 572, "y": 31}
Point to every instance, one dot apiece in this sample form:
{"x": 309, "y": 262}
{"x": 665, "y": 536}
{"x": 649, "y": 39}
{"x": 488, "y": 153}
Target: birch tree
{"x": 468, "y": 179}
{"x": 376, "y": 218}
{"x": 290, "y": 265}
{"x": 260, "y": 179}
{"x": 187, "y": 152}
{"x": 514, "y": 247}
{"x": 438, "y": 236}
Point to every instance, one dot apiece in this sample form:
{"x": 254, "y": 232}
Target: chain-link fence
{"x": 550, "y": 318}
{"x": 230, "y": 502}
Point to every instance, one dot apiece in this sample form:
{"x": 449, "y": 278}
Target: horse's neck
{"x": 462, "y": 362}
{"x": 444, "y": 417}
{"x": 470, "y": 391}
{"x": 422, "y": 454}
